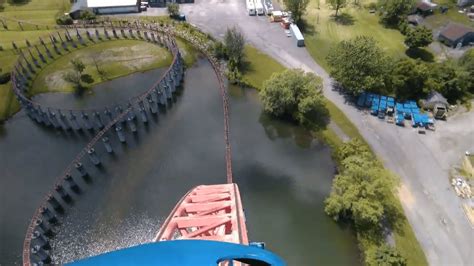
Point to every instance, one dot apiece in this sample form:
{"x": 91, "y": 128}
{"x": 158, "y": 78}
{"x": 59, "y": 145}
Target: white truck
{"x": 259, "y": 7}
{"x": 250, "y": 7}
{"x": 268, "y": 6}
{"x": 298, "y": 36}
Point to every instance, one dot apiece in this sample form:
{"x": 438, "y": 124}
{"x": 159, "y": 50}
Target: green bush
{"x": 173, "y": 9}
{"x": 296, "y": 96}
{"x": 219, "y": 50}
{"x": 64, "y": 20}
{"x": 87, "y": 15}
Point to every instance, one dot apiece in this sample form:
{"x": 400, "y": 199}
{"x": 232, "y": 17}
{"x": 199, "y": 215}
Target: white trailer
{"x": 268, "y": 6}
{"x": 298, "y": 36}
{"x": 250, "y": 7}
{"x": 259, "y": 7}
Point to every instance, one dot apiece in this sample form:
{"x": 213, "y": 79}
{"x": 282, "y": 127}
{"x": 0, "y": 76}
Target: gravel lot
{"x": 422, "y": 161}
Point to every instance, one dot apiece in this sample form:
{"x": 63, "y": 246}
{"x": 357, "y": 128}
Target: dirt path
{"x": 432, "y": 208}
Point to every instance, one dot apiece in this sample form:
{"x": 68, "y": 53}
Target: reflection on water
{"x": 283, "y": 174}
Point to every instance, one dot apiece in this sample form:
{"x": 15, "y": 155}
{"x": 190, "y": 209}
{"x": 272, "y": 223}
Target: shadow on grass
{"x": 420, "y": 53}
{"x": 344, "y": 19}
{"x": 18, "y": 2}
{"x": 306, "y": 27}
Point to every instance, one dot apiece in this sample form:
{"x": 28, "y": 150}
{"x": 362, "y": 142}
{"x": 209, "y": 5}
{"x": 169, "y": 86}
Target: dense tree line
{"x": 296, "y": 96}
{"x": 362, "y": 195}
{"x": 360, "y": 65}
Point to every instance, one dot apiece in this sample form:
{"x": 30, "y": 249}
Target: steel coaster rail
{"x": 59, "y": 181}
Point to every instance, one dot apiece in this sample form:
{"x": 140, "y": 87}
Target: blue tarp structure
{"x": 375, "y": 106}
{"x": 400, "y": 119}
{"x": 403, "y": 110}
{"x": 383, "y": 105}
{"x": 416, "y": 120}
{"x": 390, "y": 102}
{"x": 368, "y": 99}
{"x": 361, "y": 99}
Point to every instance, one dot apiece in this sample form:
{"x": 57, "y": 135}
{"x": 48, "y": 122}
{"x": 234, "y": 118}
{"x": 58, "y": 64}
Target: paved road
{"x": 422, "y": 161}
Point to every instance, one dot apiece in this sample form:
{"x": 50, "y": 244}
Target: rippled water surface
{"x": 283, "y": 175}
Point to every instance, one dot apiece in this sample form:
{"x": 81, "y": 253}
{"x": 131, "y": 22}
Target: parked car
{"x": 179, "y": 17}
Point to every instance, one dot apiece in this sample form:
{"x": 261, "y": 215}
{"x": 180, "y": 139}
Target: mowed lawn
{"x": 116, "y": 58}
{"x": 323, "y": 32}
{"x": 37, "y": 11}
{"x": 259, "y": 67}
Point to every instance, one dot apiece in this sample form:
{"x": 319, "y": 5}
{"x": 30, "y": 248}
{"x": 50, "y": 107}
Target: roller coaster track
{"x": 52, "y": 205}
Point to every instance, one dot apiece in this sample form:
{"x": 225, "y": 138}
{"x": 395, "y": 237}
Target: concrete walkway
{"x": 422, "y": 161}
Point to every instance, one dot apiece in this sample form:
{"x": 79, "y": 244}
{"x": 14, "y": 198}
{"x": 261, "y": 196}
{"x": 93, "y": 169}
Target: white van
{"x": 268, "y": 6}
{"x": 250, "y": 7}
{"x": 259, "y": 7}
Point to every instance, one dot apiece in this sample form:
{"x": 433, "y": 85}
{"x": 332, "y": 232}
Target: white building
{"x": 465, "y": 2}
{"x": 107, "y": 6}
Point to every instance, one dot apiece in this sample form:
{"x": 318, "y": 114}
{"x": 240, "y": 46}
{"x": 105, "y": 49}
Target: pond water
{"x": 283, "y": 175}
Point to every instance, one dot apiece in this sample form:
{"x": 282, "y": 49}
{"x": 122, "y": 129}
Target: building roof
{"x": 436, "y": 97}
{"x": 414, "y": 19}
{"x": 455, "y": 31}
{"x": 110, "y": 3}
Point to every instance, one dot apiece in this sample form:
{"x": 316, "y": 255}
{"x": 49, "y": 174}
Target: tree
{"x": 466, "y": 63}
{"x": 173, "y": 9}
{"x": 337, "y": 4}
{"x": 362, "y": 192}
{"x": 78, "y": 66}
{"x": 297, "y": 9}
{"x": 385, "y": 255}
{"x": 234, "y": 42}
{"x": 446, "y": 79}
{"x": 297, "y": 96}
{"x": 358, "y": 65}
{"x": 418, "y": 37}
{"x": 395, "y": 11}
{"x": 87, "y": 15}
{"x": 75, "y": 76}
{"x": 64, "y": 20}
{"x": 409, "y": 79}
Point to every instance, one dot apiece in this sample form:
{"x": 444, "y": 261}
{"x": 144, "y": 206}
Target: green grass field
{"x": 116, "y": 58}
{"x": 37, "y": 11}
{"x": 323, "y": 32}
{"x": 257, "y": 71}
